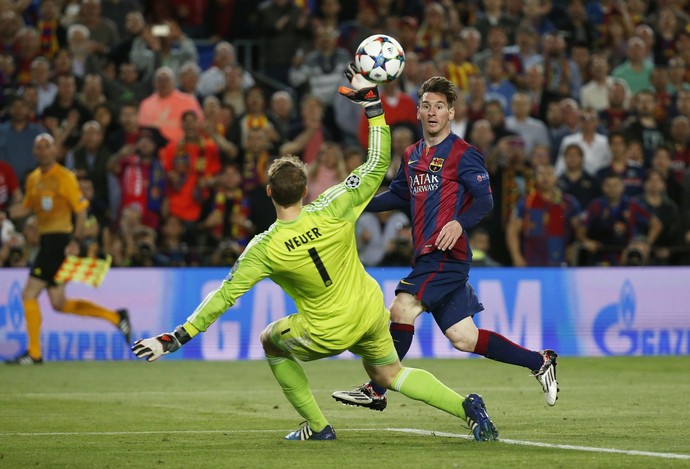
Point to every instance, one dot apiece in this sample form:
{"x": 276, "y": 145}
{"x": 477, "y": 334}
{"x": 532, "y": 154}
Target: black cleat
{"x": 124, "y": 325}
{"x": 24, "y": 360}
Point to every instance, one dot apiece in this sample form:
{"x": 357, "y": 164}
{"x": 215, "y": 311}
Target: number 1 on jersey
{"x": 320, "y": 267}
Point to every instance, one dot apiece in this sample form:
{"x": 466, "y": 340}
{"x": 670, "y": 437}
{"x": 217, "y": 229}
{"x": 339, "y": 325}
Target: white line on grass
{"x": 591, "y": 449}
{"x": 414, "y": 431}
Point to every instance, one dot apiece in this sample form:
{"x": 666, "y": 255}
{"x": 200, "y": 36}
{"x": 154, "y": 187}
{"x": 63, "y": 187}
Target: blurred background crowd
{"x": 169, "y": 113}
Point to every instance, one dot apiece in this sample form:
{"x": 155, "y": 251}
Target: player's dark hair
{"x": 287, "y": 178}
{"x": 439, "y": 85}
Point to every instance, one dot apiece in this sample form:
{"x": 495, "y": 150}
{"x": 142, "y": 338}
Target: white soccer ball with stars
{"x": 380, "y": 59}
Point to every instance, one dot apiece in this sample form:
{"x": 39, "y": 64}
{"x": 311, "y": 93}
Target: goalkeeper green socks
{"x": 421, "y": 385}
{"x": 292, "y": 379}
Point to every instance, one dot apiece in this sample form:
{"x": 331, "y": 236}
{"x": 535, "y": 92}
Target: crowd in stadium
{"x": 169, "y": 113}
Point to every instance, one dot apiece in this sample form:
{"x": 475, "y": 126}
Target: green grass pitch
{"x": 180, "y": 414}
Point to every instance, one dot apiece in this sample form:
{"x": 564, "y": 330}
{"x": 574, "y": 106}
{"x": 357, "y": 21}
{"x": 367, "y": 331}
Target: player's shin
{"x": 295, "y": 385}
{"x": 422, "y": 386}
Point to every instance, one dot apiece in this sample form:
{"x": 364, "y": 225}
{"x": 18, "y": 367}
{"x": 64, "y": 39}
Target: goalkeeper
{"x": 310, "y": 251}
{"x": 53, "y": 194}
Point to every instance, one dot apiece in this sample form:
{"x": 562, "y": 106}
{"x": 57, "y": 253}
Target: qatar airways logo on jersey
{"x": 424, "y": 183}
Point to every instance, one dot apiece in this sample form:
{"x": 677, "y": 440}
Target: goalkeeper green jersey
{"x": 314, "y": 258}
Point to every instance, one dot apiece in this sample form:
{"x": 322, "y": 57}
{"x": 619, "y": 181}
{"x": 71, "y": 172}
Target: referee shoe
{"x": 24, "y": 360}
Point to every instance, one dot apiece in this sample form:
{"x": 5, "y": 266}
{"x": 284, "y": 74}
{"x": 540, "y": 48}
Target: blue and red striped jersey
{"x": 441, "y": 183}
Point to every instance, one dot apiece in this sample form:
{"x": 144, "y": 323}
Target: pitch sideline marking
{"x": 414, "y": 431}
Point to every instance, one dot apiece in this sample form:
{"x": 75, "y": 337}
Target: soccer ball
{"x": 380, "y": 59}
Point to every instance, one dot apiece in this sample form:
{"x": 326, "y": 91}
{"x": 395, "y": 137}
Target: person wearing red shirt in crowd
{"x": 191, "y": 164}
{"x": 141, "y": 176}
{"x": 400, "y": 109}
{"x": 10, "y": 192}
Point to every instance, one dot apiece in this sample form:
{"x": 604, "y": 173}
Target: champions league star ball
{"x": 380, "y": 59}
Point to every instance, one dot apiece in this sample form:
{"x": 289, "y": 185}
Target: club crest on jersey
{"x": 352, "y": 181}
{"x": 436, "y": 164}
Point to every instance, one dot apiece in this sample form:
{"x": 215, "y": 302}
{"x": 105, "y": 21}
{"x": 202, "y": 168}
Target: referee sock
{"x": 421, "y": 385}
{"x": 32, "y": 314}
{"x": 402, "y": 339}
{"x": 496, "y": 347}
{"x": 86, "y": 308}
{"x": 295, "y": 385}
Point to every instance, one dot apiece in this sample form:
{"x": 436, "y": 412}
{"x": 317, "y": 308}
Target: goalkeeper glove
{"x": 363, "y": 92}
{"x": 155, "y": 347}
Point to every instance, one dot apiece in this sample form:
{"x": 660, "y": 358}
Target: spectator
{"x": 524, "y": 56}
{"x": 189, "y": 78}
{"x": 29, "y": 49}
{"x": 476, "y": 97}
{"x": 128, "y": 87}
{"x": 676, "y": 75}
{"x": 496, "y": 42}
{"x": 498, "y": 86}
{"x": 543, "y": 224}
{"x": 40, "y": 76}
{"x": 563, "y": 77}
{"x": 125, "y": 136}
{"x": 662, "y": 164}
{"x": 666, "y": 31}
{"x": 215, "y": 128}
{"x": 225, "y": 215}
{"x": 282, "y": 112}
{"x": 480, "y": 243}
{"x": 90, "y": 160}
{"x": 456, "y": 67}
{"x": 496, "y": 116}
{"x": 644, "y": 126}
{"x": 82, "y": 59}
{"x": 578, "y": 29}
{"x": 142, "y": 179}
{"x": 635, "y": 71}
{"x": 353, "y": 32}
{"x": 165, "y": 107}
{"x": 460, "y": 125}
{"x": 283, "y": 28}
{"x": 327, "y": 170}
{"x": 532, "y": 131}
{"x": 305, "y": 139}
{"x": 233, "y": 92}
{"x": 654, "y": 199}
{"x": 511, "y": 179}
{"x": 680, "y": 145}
{"x": 615, "y": 115}
{"x": 213, "y": 80}
{"x": 10, "y": 190}
{"x": 594, "y": 145}
{"x": 103, "y": 31}
{"x": 563, "y": 119}
{"x": 369, "y": 236}
{"x": 165, "y": 46}
{"x": 10, "y": 25}
{"x": 630, "y": 171}
{"x": 613, "y": 221}
{"x": 535, "y": 14}
{"x": 92, "y": 95}
{"x": 575, "y": 181}
{"x": 595, "y": 93}
{"x": 494, "y": 14}
{"x": 191, "y": 164}
{"x": 482, "y": 137}
{"x": 17, "y": 137}
{"x": 400, "y": 109}
{"x": 53, "y": 35}
{"x": 320, "y": 71}
{"x": 255, "y": 117}
{"x": 173, "y": 250}
{"x": 65, "y": 117}
{"x": 254, "y": 160}
{"x": 118, "y": 11}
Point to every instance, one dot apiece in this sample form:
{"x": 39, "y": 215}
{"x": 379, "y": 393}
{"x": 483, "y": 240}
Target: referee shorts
{"x": 440, "y": 283}
{"x": 50, "y": 256}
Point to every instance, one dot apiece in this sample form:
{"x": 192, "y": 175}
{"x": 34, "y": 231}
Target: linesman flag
{"x": 88, "y": 270}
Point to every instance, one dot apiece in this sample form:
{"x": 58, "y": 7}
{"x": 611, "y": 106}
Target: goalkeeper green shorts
{"x": 375, "y": 344}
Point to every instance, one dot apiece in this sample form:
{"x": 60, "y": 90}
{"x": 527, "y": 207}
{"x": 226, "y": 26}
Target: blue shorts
{"x": 440, "y": 283}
